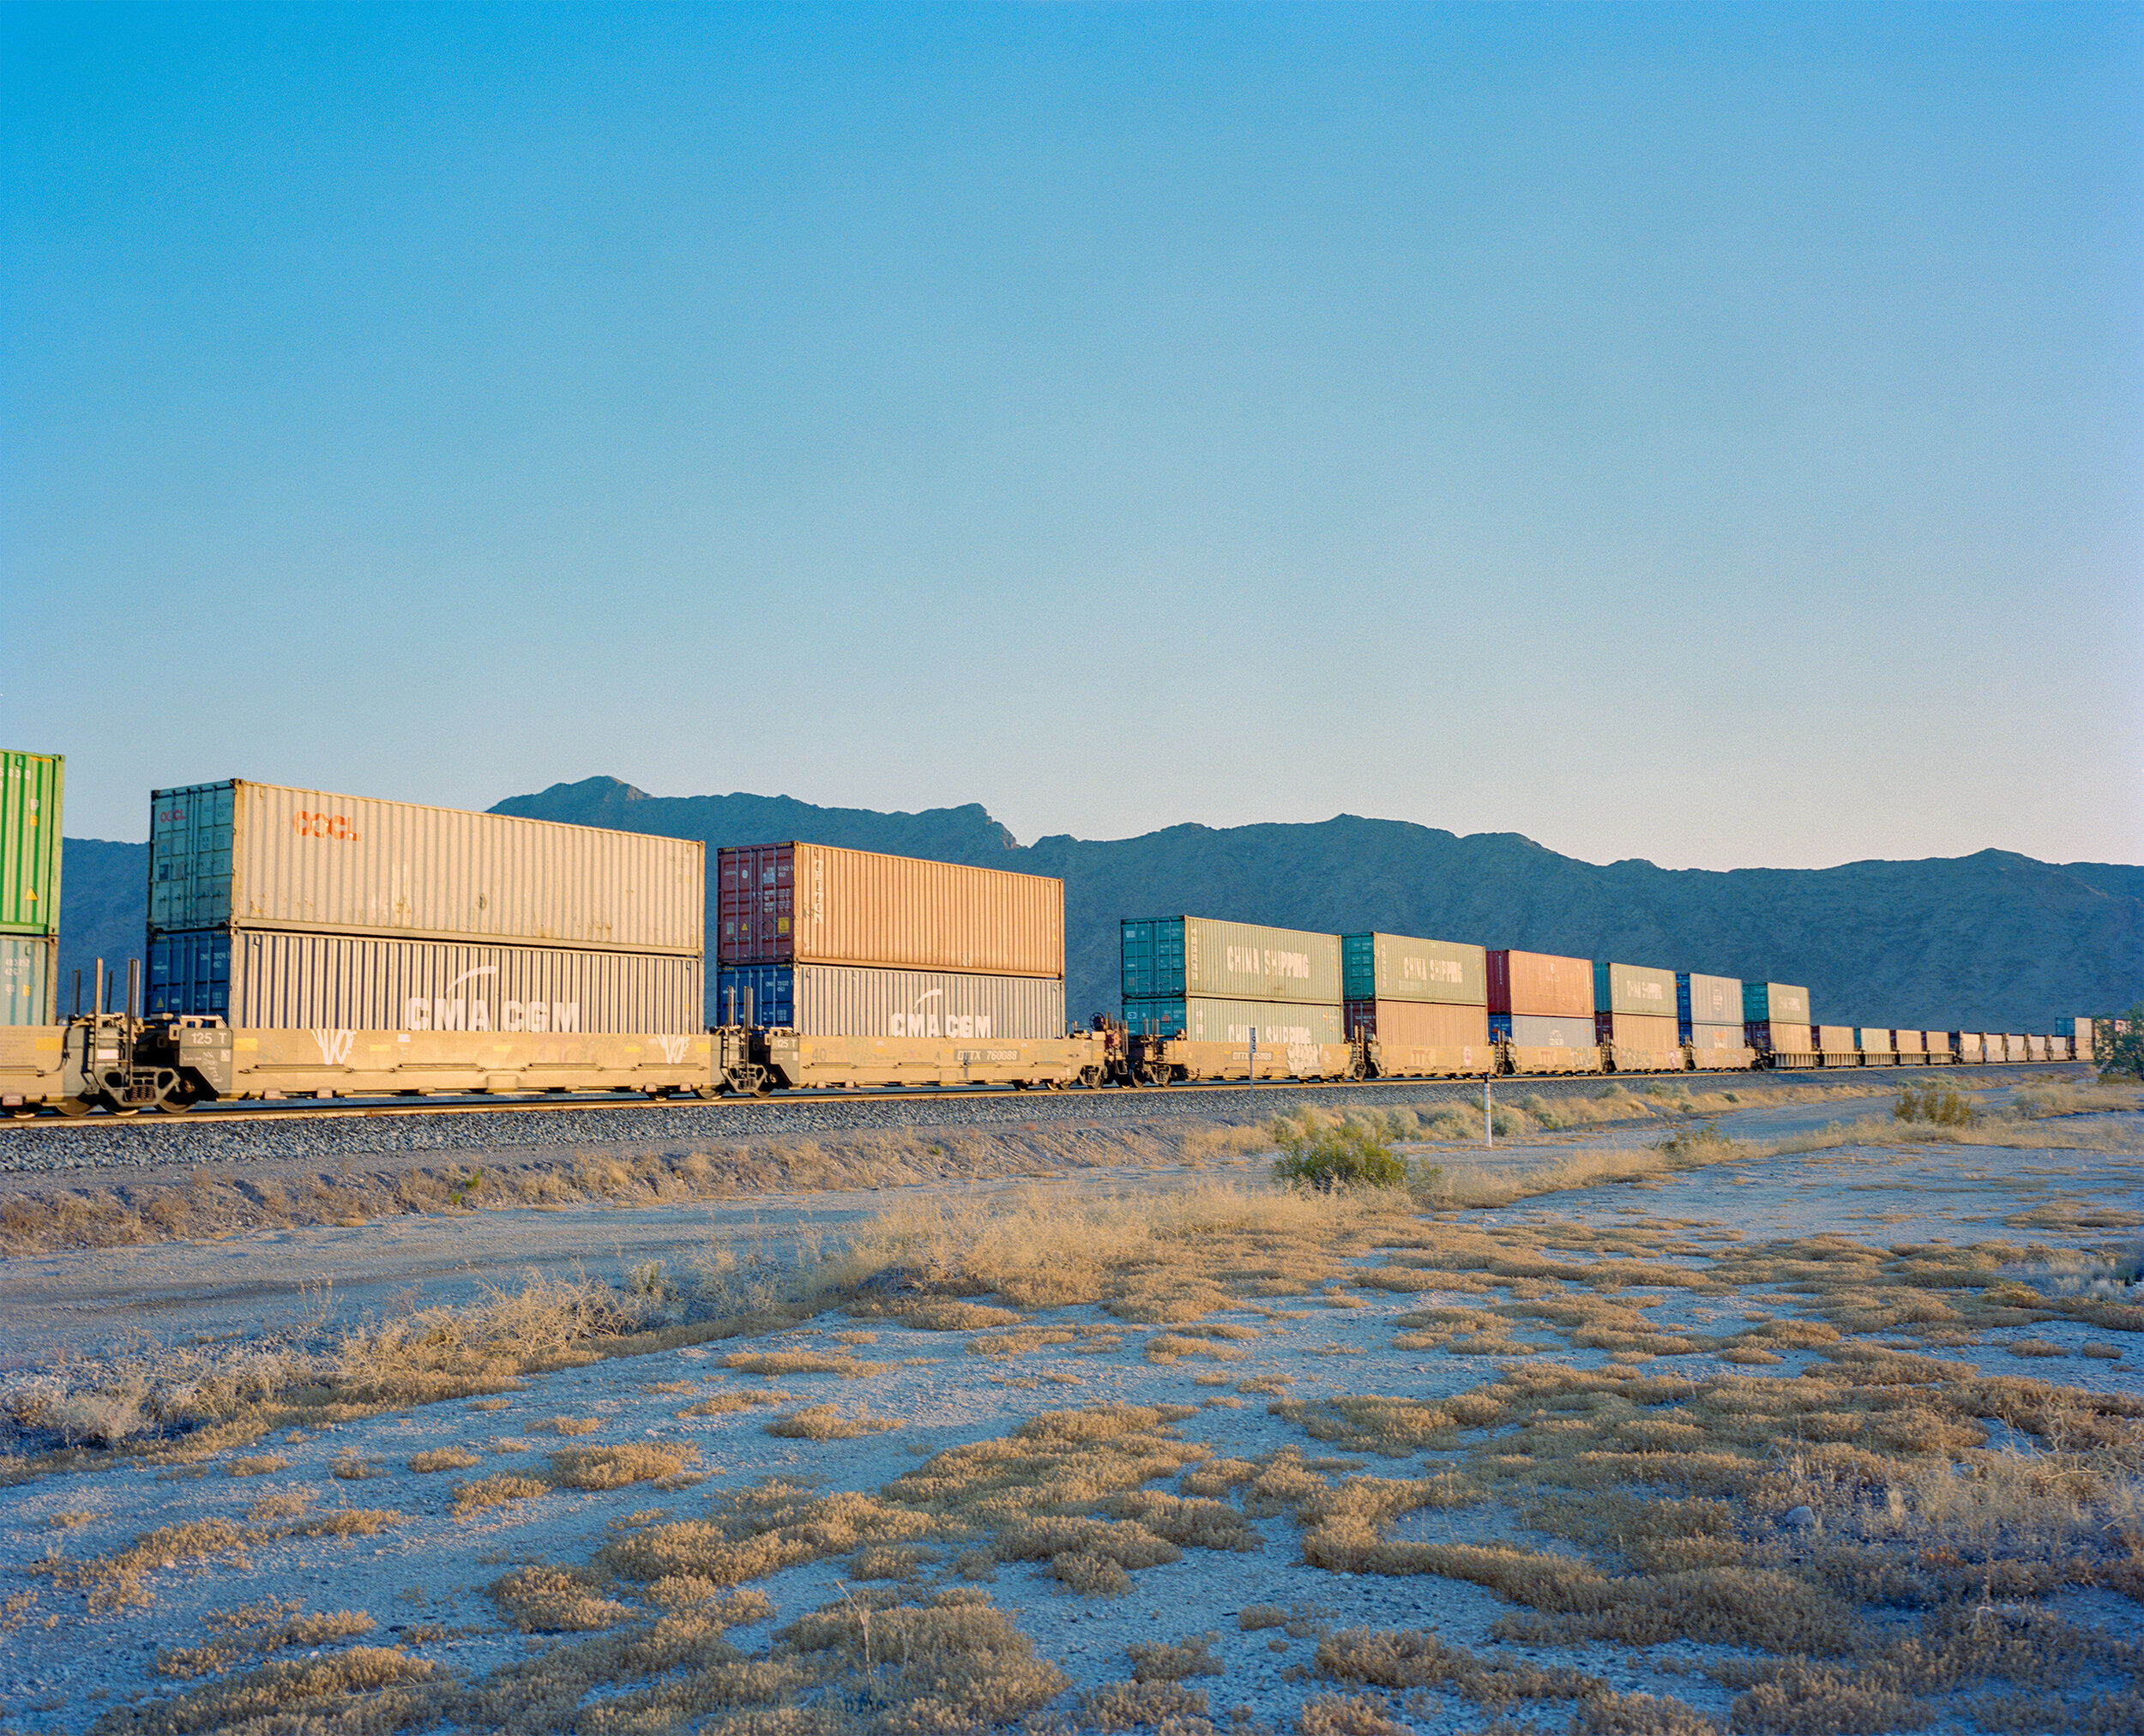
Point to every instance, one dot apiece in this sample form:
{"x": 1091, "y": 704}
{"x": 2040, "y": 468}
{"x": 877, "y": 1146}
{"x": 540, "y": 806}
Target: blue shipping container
{"x": 1706, "y": 1000}
{"x": 189, "y": 972}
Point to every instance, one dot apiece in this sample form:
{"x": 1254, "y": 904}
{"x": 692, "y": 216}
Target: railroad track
{"x": 312, "y": 1109}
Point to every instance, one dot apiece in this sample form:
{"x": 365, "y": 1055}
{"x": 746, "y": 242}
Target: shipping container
{"x": 1173, "y": 957}
{"x": 1779, "y": 1038}
{"x": 1836, "y": 1044}
{"x": 1540, "y": 984}
{"x": 1209, "y": 1019}
{"x": 1640, "y": 1042}
{"x": 1872, "y": 1041}
{"x": 258, "y": 856}
{"x": 1400, "y": 967}
{"x": 1910, "y": 1043}
{"x": 323, "y": 1062}
{"x": 797, "y": 1059}
{"x": 2035, "y": 1047}
{"x": 1422, "y": 1037}
{"x": 1937, "y": 1043}
{"x": 1634, "y": 988}
{"x": 31, "y": 786}
{"x": 2078, "y": 1031}
{"x": 838, "y": 1000}
{"x": 1717, "y": 1045}
{"x": 1708, "y": 1000}
{"x": 274, "y": 979}
{"x": 1774, "y": 1004}
{"x": 818, "y": 904}
{"x": 29, "y": 968}
{"x": 1968, "y": 1045}
{"x": 1539, "y": 1031}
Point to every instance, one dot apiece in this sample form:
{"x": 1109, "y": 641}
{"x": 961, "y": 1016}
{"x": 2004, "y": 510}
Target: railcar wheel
{"x": 72, "y": 1107}
{"x": 175, "y": 1104}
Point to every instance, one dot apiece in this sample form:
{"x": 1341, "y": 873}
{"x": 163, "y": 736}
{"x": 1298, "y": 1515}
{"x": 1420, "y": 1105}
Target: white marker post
{"x": 1488, "y": 1114}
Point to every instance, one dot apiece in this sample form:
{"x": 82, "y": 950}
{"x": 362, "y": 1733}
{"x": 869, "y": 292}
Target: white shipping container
{"x": 273, "y": 979}
{"x": 239, "y": 854}
{"x": 833, "y": 1000}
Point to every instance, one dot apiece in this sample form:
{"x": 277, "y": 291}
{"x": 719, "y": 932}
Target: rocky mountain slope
{"x": 1994, "y": 941}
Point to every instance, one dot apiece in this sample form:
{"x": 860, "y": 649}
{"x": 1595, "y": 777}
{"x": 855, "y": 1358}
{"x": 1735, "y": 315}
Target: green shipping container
{"x": 29, "y": 841}
{"x": 1170, "y": 957}
{"x": 1774, "y": 1004}
{"x": 1400, "y": 967}
{"x": 1634, "y": 988}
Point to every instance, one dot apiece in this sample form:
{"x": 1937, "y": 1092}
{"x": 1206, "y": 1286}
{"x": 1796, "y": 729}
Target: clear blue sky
{"x": 1712, "y": 434}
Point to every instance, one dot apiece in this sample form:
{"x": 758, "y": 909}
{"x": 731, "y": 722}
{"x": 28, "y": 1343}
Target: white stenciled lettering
{"x": 512, "y": 1016}
{"x": 479, "y": 1017}
{"x": 982, "y": 1022}
{"x": 450, "y": 1016}
{"x": 565, "y": 1015}
{"x": 418, "y": 1014}
{"x": 538, "y": 1016}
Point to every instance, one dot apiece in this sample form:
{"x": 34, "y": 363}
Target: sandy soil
{"x": 421, "y": 1579}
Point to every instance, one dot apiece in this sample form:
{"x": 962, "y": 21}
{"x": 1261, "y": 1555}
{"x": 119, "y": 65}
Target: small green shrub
{"x": 1942, "y": 1105}
{"x": 1538, "y": 1107}
{"x": 1351, "y": 1155}
{"x": 2116, "y": 1051}
{"x": 1703, "y": 1143}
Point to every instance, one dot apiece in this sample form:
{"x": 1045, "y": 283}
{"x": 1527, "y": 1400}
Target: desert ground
{"x": 1771, "y": 1415}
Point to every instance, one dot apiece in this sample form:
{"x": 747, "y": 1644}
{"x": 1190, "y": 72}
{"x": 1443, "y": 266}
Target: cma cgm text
{"x": 431, "y": 1013}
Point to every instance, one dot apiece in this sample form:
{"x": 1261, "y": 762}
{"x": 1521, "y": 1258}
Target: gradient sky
{"x": 1709, "y": 434}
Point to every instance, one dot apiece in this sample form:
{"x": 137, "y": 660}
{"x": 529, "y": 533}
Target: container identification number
{"x": 340, "y": 827}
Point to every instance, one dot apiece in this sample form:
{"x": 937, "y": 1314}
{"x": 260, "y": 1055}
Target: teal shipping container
{"x": 1774, "y": 1004}
{"x": 1205, "y": 1019}
{"x": 28, "y": 970}
{"x": 1177, "y": 957}
{"x": 1400, "y": 967}
{"x": 1634, "y": 988}
{"x": 30, "y": 790}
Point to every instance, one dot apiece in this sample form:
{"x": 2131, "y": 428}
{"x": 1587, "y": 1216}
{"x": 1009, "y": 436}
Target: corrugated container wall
{"x": 31, "y": 786}
{"x": 1634, "y": 988}
{"x": 272, "y": 980}
{"x": 1968, "y": 1045}
{"x": 817, "y": 904}
{"x": 249, "y": 855}
{"x": 1769, "y": 1038}
{"x": 839, "y": 1000}
{"x": 1835, "y": 1040}
{"x": 1205, "y": 1019}
{"x": 1774, "y": 1004}
{"x": 1707, "y": 1000}
{"x": 1637, "y": 1030}
{"x": 1531, "y": 1031}
{"x": 1541, "y": 984}
{"x": 1417, "y": 1024}
{"x": 1400, "y": 967}
{"x": 1910, "y": 1043}
{"x": 1171, "y": 957}
{"x": 1871, "y": 1041}
{"x": 1707, "y": 1037}
{"x": 29, "y": 971}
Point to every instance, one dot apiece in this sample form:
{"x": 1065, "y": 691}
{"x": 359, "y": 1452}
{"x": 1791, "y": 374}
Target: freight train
{"x": 304, "y": 945}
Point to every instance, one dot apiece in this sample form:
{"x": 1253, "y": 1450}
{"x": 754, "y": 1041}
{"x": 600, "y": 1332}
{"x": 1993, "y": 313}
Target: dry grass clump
{"x": 722, "y": 1403}
{"x": 823, "y": 1422}
{"x": 950, "y": 1314}
{"x": 1163, "y": 1707}
{"x": 615, "y": 1468}
{"x": 344, "y": 1521}
{"x": 353, "y": 1468}
{"x": 257, "y": 1466}
{"x": 117, "y": 1581}
{"x": 366, "y": 1689}
{"x": 555, "y": 1600}
{"x": 573, "y": 1426}
{"x": 773, "y": 1362}
{"x": 498, "y": 1491}
{"x": 254, "y": 1632}
{"x": 1393, "y": 1426}
{"x": 1158, "y": 1660}
{"x": 444, "y": 1459}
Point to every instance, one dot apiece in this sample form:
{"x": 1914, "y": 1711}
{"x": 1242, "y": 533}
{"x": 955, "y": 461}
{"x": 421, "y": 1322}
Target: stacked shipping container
{"x": 1216, "y": 982}
{"x": 30, "y": 787}
{"x": 834, "y": 942}
{"x": 1775, "y": 1020}
{"x": 1635, "y": 1017}
{"x": 286, "y": 909}
{"x": 1426, "y": 1001}
{"x": 1543, "y": 1006}
{"x": 1708, "y": 1018}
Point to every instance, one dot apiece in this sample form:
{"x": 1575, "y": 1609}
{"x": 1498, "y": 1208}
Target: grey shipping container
{"x": 1774, "y": 1004}
{"x": 1705, "y": 1038}
{"x": 31, "y": 786}
{"x": 248, "y": 855}
{"x": 817, "y": 904}
{"x": 1532, "y": 1032}
{"x": 838, "y": 1000}
{"x": 1400, "y": 967}
{"x": 1208, "y": 1019}
{"x": 1633, "y": 989}
{"x": 1872, "y": 1041}
{"x": 1172, "y": 957}
{"x": 28, "y": 970}
{"x": 1708, "y": 1000}
{"x": 274, "y": 979}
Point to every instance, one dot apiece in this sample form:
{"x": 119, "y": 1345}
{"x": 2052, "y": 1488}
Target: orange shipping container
{"x": 1423, "y": 1036}
{"x": 1539, "y": 985}
{"x": 818, "y": 904}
